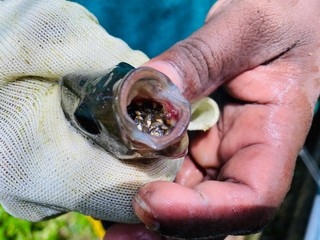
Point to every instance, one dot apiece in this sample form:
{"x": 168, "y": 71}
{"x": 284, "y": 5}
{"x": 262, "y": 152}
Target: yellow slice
{"x": 204, "y": 114}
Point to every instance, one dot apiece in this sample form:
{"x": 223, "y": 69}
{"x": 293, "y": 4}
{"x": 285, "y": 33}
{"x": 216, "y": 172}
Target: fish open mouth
{"x": 152, "y": 117}
{"x": 133, "y": 113}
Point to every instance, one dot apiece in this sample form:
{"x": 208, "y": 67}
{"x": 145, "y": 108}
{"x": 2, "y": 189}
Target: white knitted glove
{"x": 47, "y": 167}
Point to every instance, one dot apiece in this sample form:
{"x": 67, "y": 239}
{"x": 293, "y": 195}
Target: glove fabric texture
{"x": 47, "y": 167}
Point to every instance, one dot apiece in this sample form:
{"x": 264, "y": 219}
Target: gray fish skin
{"x": 97, "y": 107}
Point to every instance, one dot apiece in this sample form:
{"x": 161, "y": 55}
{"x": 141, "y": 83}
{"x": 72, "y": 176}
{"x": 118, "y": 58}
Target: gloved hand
{"x": 46, "y": 166}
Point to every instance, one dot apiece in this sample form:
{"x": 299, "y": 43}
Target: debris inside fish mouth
{"x": 152, "y": 117}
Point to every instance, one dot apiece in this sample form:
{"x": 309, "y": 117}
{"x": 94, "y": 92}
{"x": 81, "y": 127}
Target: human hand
{"x": 265, "y": 55}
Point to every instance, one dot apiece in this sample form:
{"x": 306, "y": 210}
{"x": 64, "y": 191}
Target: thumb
{"x": 237, "y": 36}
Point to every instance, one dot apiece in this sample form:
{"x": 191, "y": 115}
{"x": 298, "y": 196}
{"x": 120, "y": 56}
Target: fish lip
{"x": 161, "y": 89}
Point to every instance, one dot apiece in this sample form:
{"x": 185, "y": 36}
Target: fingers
{"x": 189, "y": 174}
{"x": 204, "y": 148}
{"x": 130, "y": 231}
{"x": 238, "y": 35}
{"x": 251, "y": 186}
{"x": 252, "y": 183}
{"x": 210, "y": 209}
{"x": 258, "y": 144}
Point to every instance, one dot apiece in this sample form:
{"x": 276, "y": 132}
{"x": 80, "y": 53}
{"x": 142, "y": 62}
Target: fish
{"x": 132, "y": 113}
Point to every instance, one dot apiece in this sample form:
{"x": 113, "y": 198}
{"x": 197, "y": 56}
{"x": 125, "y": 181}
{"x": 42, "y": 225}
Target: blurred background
{"x": 71, "y": 226}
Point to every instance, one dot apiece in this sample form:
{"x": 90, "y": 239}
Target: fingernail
{"x": 144, "y": 213}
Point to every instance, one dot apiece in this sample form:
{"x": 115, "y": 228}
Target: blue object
{"x": 151, "y": 26}
{"x": 313, "y": 229}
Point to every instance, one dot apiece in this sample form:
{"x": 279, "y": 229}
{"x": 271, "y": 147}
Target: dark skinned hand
{"x": 265, "y": 55}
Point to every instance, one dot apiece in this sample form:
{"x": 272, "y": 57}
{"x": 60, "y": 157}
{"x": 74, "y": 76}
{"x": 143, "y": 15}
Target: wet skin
{"x": 266, "y": 57}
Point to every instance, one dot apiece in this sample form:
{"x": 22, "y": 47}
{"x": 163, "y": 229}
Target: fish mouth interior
{"x": 154, "y": 115}
{"x": 151, "y": 116}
